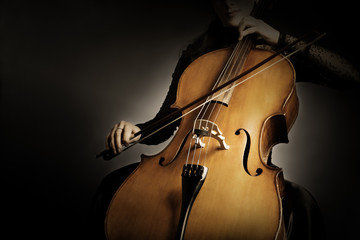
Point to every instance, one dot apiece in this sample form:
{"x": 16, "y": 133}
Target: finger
{"x": 249, "y": 31}
{"x": 241, "y": 28}
{"x": 133, "y": 132}
{"x": 117, "y": 137}
{"x": 126, "y": 135}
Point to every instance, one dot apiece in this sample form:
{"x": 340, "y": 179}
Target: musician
{"x": 232, "y": 23}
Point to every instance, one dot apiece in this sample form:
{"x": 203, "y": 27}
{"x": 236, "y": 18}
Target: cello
{"x": 214, "y": 180}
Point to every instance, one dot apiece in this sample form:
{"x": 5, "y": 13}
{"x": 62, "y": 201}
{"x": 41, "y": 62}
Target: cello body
{"x": 241, "y": 197}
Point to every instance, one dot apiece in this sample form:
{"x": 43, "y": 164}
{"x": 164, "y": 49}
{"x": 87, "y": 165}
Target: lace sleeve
{"x": 323, "y": 66}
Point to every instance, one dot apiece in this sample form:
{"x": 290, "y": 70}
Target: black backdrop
{"x": 70, "y": 70}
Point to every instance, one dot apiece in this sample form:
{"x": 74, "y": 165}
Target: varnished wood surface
{"x": 231, "y": 204}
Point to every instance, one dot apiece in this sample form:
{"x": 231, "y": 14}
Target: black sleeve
{"x": 165, "y": 133}
{"x": 320, "y": 65}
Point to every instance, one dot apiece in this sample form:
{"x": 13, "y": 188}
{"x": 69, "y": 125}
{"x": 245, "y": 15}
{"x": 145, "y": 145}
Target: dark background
{"x": 70, "y": 70}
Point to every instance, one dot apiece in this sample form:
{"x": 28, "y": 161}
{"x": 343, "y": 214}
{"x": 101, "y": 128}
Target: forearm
{"x": 334, "y": 70}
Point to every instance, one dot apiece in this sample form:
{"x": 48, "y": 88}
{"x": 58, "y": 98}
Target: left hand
{"x": 250, "y": 25}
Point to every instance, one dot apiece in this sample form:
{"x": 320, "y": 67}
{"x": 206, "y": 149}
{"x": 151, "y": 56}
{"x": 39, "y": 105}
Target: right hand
{"x": 122, "y": 134}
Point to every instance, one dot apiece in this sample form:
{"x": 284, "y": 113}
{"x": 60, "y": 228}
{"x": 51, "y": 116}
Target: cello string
{"x": 221, "y": 75}
{"x": 223, "y": 72}
{"x": 246, "y": 44}
{"x": 228, "y": 72}
{"x": 239, "y": 53}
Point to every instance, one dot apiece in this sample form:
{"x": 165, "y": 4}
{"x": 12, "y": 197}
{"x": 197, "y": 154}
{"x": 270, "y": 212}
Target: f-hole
{"x": 246, "y": 153}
